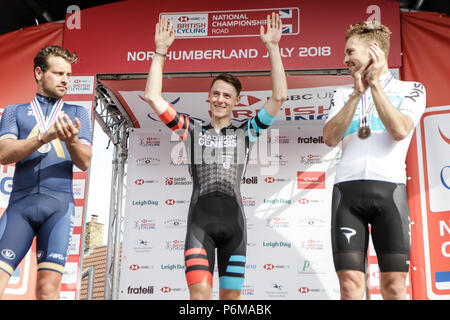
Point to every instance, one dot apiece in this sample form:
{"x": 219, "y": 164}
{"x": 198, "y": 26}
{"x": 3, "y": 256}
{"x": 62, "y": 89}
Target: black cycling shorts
{"x": 216, "y": 220}
{"x": 383, "y": 206}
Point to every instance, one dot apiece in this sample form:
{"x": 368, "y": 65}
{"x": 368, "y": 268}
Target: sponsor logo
{"x": 142, "y": 246}
{"x": 166, "y": 289}
{"x": 273, "y": 180}
{"x": 271, "y": 266}
{"x": 310, "y": 180}
{"x": 175, "y": 223}
{"x": 172, "y": 266}
{"x": 303, "y": 290}
{"x": 277, "y": 201}
{"x": 147, "y": 161}
{"x": 275, "y": 244}
{"x": 348, "y": 233}
{"x": 278, "y": 139}
{"x": 314, "y": 140}
{"x": 277, "y": 223}
{"x": 313, "y": 245}
{"x": 311, "y": 222}
{"x": 136, "y": 267}
{"x": 276, "y": 291}
{"x": 311, "y": 159}
{"x": 140, "y": 182}
{"x": 248, "y": 290}
{"x": 248, "y": 201}
{"x": 177, "y": 181}
{"x": 144, "y": 224}
{"x": 81, "y": 85}
{"x": 149, "y": 142}
{"x": 57, "y": 256}
{"x": 8, "y": 254}
{"x": 171, "y": 202}
{"x": 174, "y": 245}
{"x": 311, "y": 267}
{"x": 251, "y": 180}
{"x": 142, "y": 203}
{"x": 140, "y": 290}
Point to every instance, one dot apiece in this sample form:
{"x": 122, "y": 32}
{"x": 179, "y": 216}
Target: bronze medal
{"x": 363, "y": 132}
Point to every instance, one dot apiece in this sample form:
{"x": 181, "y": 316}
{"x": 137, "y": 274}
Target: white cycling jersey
{"x": 378, "y": 157}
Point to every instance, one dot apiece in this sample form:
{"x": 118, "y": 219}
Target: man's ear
{"x": 238, "y": 100}
{"x": 38, "y": 73}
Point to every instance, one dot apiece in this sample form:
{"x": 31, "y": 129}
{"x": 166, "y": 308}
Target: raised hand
{"x": 374, "y": 70}
{"x": 360, "y": 82}
{"x": 272, "y": 36}
{"x": 164, "y": 35}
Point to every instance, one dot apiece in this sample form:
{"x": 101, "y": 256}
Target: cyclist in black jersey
{"x": 218, "y": 155}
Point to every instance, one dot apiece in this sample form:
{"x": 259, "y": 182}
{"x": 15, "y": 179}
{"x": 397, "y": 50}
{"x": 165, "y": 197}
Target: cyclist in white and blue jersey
{"x": 374, "y": 119}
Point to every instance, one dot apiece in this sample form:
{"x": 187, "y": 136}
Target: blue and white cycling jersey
{"x": 378, "y": 157}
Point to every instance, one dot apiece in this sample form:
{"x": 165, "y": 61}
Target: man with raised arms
{"x": 218, "y": 154}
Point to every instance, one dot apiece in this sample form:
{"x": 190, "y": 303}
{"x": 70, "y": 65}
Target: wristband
{"x": 161, "y": 54}
{"x": 40, "y": 138}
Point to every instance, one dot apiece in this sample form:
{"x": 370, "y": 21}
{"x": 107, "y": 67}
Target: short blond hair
{"x": 371, "y": 31}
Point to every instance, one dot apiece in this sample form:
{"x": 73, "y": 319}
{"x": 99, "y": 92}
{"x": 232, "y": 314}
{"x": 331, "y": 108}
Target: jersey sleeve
{"x": 85, "y": 133}
{"x": 177, "y": 122}
{"x": 259, "y": 123}
{"x": 8, "y": 124}
{"x": 413, "y": 103}
{"x": 336, "y": 104}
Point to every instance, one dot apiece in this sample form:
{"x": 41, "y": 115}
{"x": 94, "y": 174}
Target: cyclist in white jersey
{"x": 374, "y": 119}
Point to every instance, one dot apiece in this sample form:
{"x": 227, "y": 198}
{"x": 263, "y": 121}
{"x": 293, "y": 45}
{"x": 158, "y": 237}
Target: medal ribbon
{"x": 366, "y": 108}
{"x": 39, "y": 116}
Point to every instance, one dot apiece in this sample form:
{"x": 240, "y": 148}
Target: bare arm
{"x": 13, "y": 150}
{"x": 271, "y": 39}
{"x": 164, "y": 37}
{"x": 334, "y": 130}
{"x": 397, "y": 124}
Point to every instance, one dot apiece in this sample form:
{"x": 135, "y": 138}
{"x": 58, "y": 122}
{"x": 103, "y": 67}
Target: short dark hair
{"x": 41, "y": 58}
{"x": 229, "y": 78}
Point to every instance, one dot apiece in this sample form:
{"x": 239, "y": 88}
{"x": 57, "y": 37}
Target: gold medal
{"x": 363, "y": 132}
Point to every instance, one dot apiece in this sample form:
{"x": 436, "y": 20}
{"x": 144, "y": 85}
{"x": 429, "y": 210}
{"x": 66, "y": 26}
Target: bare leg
{"x": 352, "y": 284}
{"x": 48, "y": 285}
{"x": 229, "y": 294}
{"x": 393, "y": 285}
{"x": 200, "y": 291}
